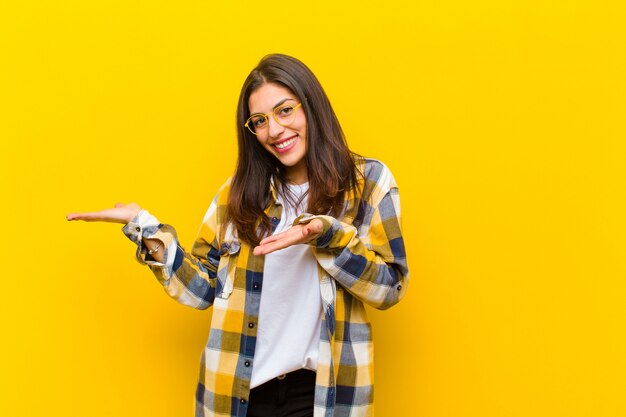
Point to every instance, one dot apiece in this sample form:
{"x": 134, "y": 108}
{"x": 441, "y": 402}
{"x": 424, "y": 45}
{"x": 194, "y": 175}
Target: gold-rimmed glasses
{"x": 284, "y": 116}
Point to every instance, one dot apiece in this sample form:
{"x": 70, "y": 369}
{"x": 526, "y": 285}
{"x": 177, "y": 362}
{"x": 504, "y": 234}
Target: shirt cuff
{"x": 145, "y": 225}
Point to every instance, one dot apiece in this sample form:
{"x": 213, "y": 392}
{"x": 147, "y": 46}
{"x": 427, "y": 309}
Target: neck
{"x": 297, "y": 174}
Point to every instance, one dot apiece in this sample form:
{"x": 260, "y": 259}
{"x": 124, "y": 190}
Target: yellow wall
{"x": 502, "y": 121}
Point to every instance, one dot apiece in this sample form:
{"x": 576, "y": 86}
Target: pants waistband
{"x": 296, "y": 375}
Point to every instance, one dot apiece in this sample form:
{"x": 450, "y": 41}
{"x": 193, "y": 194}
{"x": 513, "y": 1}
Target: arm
{"x": 190, "y": 278}
{"x": 187, "y": 277}
{"x": 368, "y": 260}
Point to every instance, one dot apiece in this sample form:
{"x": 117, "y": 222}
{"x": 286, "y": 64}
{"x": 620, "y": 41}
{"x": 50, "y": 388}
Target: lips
{"x": 286, "y": 144}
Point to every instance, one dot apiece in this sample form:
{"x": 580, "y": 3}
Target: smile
{"x": 285, "y": 145}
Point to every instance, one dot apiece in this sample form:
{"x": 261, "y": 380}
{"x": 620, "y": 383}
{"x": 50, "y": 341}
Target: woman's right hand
{"x": 121, "y": 213}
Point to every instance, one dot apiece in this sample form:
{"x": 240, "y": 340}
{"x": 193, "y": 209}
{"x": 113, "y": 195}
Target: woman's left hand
{"x": 301, "y": 233}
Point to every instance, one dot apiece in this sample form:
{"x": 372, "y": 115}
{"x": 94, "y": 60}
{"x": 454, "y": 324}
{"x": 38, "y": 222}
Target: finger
{"x": 270, "y": 239}
{"x": 119, "y": 205}
{"x": 74, "y": 216}
{"x": 267, "y": 248}
{"x": 261, "y": 250}
{"x": 81, "y": 216}
{"x": 286, "y": 239}
{"x": 280, "y": 242}
{"x": 292, "y": 231}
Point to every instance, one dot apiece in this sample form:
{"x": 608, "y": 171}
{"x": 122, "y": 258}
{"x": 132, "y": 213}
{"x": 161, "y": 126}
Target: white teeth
{"x": 285, "y": 143}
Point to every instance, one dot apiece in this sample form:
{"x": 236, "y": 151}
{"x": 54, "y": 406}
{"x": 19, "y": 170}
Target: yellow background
{"x": 503, "y": 123}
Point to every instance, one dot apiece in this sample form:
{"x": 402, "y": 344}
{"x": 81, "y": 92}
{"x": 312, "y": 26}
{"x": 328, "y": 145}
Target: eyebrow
{"x": 278, "y": 104}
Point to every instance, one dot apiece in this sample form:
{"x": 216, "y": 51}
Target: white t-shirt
{"x": 290, "y": 315}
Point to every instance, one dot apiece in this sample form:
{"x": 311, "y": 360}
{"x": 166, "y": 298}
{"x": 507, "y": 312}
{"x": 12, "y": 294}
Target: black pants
{"x": 288, "y": 396}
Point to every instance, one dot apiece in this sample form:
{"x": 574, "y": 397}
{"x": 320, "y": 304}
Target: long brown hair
{"x": 330, "y": 164}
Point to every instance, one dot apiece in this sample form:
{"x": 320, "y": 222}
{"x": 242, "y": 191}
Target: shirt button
{"x": 274, "y": 219}
{"x": 255, "y": 285}
{"x": 399, "y": 287}
{"x": 137, "y": 229}
{"x": 247, "y": 363}
{"x": 251, "y": 325}
{"x": 242, "y": 401}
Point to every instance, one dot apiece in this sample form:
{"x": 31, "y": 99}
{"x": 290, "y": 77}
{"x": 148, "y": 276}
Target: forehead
{"x": 264, "y": 98}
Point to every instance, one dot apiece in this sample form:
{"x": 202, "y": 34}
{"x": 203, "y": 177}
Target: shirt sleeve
{"x": 134, "y": 230}
{"x": 368, "y": 261}
{"x": 188, "y": 277}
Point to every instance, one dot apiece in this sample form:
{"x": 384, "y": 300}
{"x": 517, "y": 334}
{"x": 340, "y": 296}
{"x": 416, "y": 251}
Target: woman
{"x": 292, "y": 246}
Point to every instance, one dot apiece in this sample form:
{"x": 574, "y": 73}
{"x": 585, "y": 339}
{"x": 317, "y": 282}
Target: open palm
{"x": 301, "y": 233}
{"x": 121, "y": 213}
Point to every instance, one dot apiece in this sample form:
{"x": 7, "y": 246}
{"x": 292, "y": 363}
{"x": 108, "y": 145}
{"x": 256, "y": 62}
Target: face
{"x": 287, "y": 143}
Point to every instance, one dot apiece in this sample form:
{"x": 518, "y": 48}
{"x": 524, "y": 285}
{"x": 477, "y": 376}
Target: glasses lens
{"x": 256, "y": 123}
{"x": 285, "y": 115}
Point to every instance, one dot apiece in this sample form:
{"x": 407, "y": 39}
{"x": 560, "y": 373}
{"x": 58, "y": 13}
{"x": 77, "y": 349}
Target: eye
{"x": 258, "y": 121}
{"x": 284, "y": 111}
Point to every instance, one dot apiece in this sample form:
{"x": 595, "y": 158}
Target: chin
{"x": 290, "y": 162}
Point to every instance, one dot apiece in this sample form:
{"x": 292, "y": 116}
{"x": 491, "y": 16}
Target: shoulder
{"x": 219, "y": 202}
{"x": 375, "y": 170}
{"x": 221, "y": 197}
{"x": 377, "y": 179}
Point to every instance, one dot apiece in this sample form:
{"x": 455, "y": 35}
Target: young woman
{"x": 303, "y": 234}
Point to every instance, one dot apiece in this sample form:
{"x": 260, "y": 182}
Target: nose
{"x": 275, "y": 129}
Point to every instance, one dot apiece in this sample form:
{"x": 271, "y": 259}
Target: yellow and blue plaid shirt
{"x": 361, "y": 259}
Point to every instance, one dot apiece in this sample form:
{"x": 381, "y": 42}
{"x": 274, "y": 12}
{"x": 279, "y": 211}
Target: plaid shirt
{"x": 361, "y": 259}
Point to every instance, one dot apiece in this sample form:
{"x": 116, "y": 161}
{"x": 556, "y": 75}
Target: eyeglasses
{"x": 284, "y": 116}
